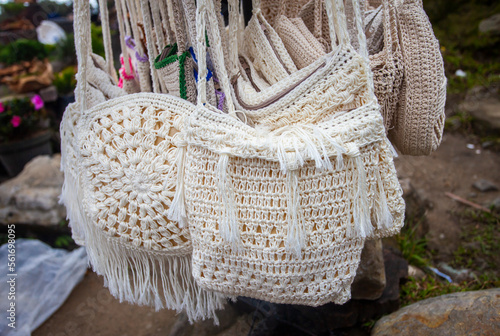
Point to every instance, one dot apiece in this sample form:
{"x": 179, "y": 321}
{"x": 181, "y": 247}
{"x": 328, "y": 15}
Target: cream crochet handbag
{"x": 280, "y": 212}
{"x": 120, "y": 174}
{"x": 419, "y": 118}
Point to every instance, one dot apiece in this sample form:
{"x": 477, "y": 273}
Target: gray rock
{"x": 458, "y": 314}
{"x": 32, "y": 196}
{"x": 49, "y": 94}
{"x": 369, "y": 282}
{"x": 484, "y": 185}
{"x": 490, "y": 25}
{"x": 486, "y": 111}
{"x": 415, "y": 272}
{"x": 496, "y": 204}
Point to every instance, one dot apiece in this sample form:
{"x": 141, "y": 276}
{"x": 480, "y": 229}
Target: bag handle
{"x": 205, "y": 10}
{"x": 83, "y": 46}
{"x": 106, "y": 37}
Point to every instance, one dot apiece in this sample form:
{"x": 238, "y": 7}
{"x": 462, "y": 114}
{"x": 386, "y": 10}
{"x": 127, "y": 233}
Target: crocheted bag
{"x": 419, "y": 120}
{"x": 266, "y": 49}
{"x": 282, "y": 215}
{"x": 300, "y": 43}
{"x": 386, "y": 64}
{"x": 119, "y": 183}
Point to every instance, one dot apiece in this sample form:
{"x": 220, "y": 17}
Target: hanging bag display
{"x": 280, "y": 211}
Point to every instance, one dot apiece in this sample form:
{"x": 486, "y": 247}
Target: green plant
{"x": 65, "y": 50}
{"x": 63, "y": 241}
{"x": 65, "y": 81}
{"x": 413, "y": 248}
{"x": 97, "y": 41}
{"x": 10, "y": 10}
{"x": 415, "y": 290}
{"x": 20, "y": 118}
{"x": 22, "y": 50}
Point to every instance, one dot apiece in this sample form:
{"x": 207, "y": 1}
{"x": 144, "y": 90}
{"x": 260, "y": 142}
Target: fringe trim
{"x": 150, "y": 278}
{"x": 383, "y": 216}
{"x": 229, "y": 227}
{"x": 177, "y": 210}
{"x": 71, "y": 198}
{"x": 296, "y": 238}
{"x": 361, "y": 225}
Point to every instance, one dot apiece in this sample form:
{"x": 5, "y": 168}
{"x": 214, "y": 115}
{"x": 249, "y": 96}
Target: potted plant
{"x": 24, "y": 132}
{"x": 65, "y": 83}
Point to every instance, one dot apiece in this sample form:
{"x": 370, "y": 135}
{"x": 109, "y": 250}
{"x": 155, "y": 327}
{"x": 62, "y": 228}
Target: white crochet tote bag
{"x": 119, "y": 158}
{"x": 281, "y": 213}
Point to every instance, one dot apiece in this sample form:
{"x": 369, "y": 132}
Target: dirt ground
{"x": 454, "y": 167}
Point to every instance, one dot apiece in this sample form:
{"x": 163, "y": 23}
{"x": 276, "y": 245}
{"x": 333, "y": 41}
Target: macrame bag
{"x": 279, "y": 212}
{"x": 120, "y": 174}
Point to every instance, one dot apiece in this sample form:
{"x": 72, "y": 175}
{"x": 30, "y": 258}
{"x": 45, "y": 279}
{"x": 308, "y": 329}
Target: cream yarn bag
{"x": 281, "y": 213}
{"x": 120, "y": 174}
{"x": 419, "y": 118}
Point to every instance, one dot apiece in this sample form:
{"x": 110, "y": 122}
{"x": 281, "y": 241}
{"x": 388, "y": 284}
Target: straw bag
{"x": 120, "y": 175}
{"x": 281, "y": 213}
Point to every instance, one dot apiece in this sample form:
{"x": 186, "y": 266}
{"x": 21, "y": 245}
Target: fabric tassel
{"x": 177, "y": 210}
{"x": 229, "y": 227}
{"x": 383, "y": 214}
{"x": 361, "y": 209}
{"x": 296, "y": 237}
{"x": 71, "y": 198}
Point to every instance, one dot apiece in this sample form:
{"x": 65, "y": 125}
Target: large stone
{"x": 369, "y": 282}
{"x": 469, "y": 313}
{"x": 486, "y": 111}
{"x": 32, "y": 196}
{"x": 490, "y": 25}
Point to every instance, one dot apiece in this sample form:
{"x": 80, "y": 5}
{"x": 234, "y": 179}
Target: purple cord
{"x": 129, "y": 41}
{"x": 222, "y": 96}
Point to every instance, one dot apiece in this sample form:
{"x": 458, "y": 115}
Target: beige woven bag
{"x": 120, "y": 175}
{"x": 300, "y": 43}
{"x": 282, "y": 214}
{"x": 265, "y": 49}
{"x": 419, "y": 119}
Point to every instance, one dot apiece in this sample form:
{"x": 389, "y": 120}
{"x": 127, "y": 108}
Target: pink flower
{"x": 37, "y": 101}
{"x": 2, "y": 108}
{"x": 16, "y": 121}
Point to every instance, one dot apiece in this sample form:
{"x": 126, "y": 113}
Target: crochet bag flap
{"x": 281, "y": 215}
{"x": 120, "y": 174}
